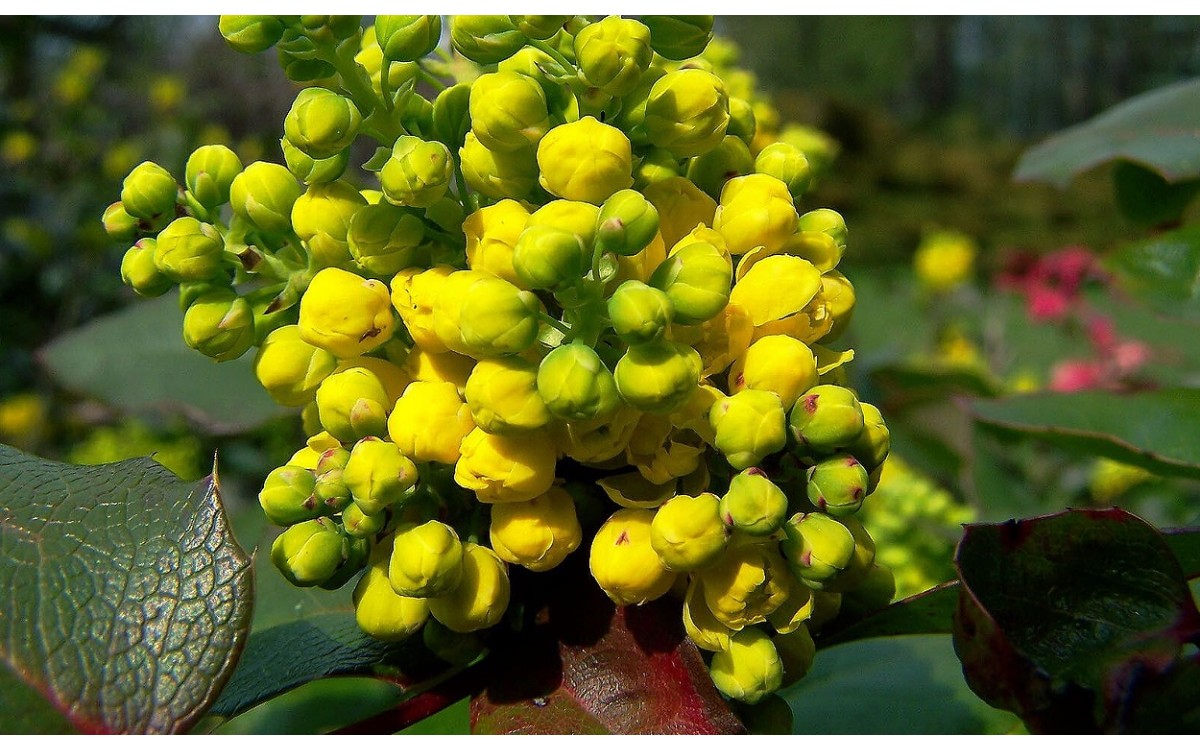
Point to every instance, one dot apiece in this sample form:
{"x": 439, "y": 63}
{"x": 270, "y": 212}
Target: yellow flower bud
{"x": 598, "y": 440}
{"x": 775, "y": 363}
{"x": 427, "y": 560}
{"x": 321, "y": 122}
{"x": 776, "y": 288}
{"x": 687, "y": 532}
{"x": 750, "y": 425}
{"x": 429, "y": 422}
{"x": 482, "y": 594}
{"x": 481, "y": 315}
{"x": 623, "y": 561}
{"x": 750, "y": 670}
{"x": 392, "y": 377}
{"x": 414, "y": 294}
{"x": 613, "y": 54}
{"x": 839, "y": 297}
{"x": 698, "y": 622}
{"x": 344, "y": 313}
{"x": 687, "y": 112}
{"x": 378, "y": 475}
{"x": 508, "y": 111}
{"x": 291, "y": 369}
{"x": 503, "y": 396}
{"x": 418, "y": 172}
{"x": 755, "y": 210}
{"x": 321, "y": 219}
{"x": 442, "y": 367}
{"x": 746, "y": 584}
{"x": 585, "y": 161}
{"x": 657, "y": 377}
{"x": 681, "y": 208}
{"x": 379, "y": 610}
{"x": 537, "y": 534}
{"x": 506, "y": 468}
{"x": 492, "y": 233}
{"x": 498, "y": 174}
{"x": 219, "y": 324}
{"x": 353, "y": 404}
{"x": 384, "y": 238}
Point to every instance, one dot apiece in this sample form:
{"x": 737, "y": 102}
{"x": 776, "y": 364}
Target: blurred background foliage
{"x": 968, "y": 284}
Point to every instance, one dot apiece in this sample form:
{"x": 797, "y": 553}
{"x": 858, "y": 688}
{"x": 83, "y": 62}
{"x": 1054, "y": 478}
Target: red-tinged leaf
{"x": 1074, "y": 621}
{"x": 588, "y": 667}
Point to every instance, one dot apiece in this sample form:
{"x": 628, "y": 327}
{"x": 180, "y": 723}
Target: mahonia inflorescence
{"x": 576, "y": 253}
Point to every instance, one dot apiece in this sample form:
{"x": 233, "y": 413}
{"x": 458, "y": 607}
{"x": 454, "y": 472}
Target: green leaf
{"x": 317, "y": 707}
{"x": 1164, "y": 272}
{"x": 1156, "y": 129}
{"x": 127, "y": 599}
{"x": 1154, "y": 429}
{"x": 1146, "y": 198}
{"x": 135, "y": 360}
{"x": 926, "y": 613}
{"x": 1074, "y": 621}
{"x": 25, "y": 711}
{"x": 904, "y": 685}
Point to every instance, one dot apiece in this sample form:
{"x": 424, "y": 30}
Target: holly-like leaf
{"x": 587, "y": 667}
{"x": 1155, "y": 429}
{"x": 1156, "y": 130}
{"x": 126, "y": 598}
{"x": 1164, "y": 272}
{"x": 1074, "y": 621}
{"x": 135, "y": 360}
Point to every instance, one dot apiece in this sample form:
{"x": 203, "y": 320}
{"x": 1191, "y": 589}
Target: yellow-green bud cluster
{"x": 581, "y": 256}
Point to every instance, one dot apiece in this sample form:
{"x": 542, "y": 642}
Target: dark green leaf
{"x": 904, "y": 685}
{"x": 1146, "y": 198}
{"x": 926, "y": 613}
{"x": 1156, "y": 129}
{"x": 1074, "y": 620}
{"x": 1155, "y": 429}
{"x": 23, "y": 710}
{"x": 127, "y": 598}
{"x": 1185, "y": 544}
{"x": 317, "y": 707}
{"x": 135, "y": 360}
{"x": 1164, "y": 272}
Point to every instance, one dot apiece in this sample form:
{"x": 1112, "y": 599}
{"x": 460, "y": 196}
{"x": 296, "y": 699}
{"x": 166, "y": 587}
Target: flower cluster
{"x": 574, "y": 254}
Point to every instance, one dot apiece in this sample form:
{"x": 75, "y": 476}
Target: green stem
{"x": 469, "y": 200}
{"x": 558, "y": 57}
{"x": 555, "y": 323}
{"x": 430, "y": 78}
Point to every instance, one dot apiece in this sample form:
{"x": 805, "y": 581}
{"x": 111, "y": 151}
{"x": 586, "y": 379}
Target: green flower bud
{"x": 427, "y": 560}
{"x": 712, "y": 169}
{"x": 310, "y": 552}
{"x": 458, "y": 649}
{"x": 481, "y": 596}
{"x": 546, "y": 257}
{"x": 786, "y": 163}
{"x": 353, "y": 404}
{"x": 485, "y": 316}
{"x": 750, "y": 670}
{"x": 251, "y": 34}
{"x": 287, "y": 496}
{"x": 687, "y": 532}
{"x": 485, "y": 39}
{"x": 452, "y": 115}
{"x": 498, "y": 174}
{"x": 585, "y": 161}
{"x": 332, "y": 493}
{"x": 749, "y": 427}
{"x": 627, "y": 223}
{"x": 539, "y": 27}
{"x": 263, "y": 194}
{"x": 754, "y": 504}
{"x": 874, "y": 442}
{"x": 362, "y": 525}
{"x": 503, "y": 396}
{"x": 358, "y": 552}
{"x": 817, "y": 548}
{"x": 188, "y": 250}
{"x": 823, "y": 238}
{"x": 381, "y": 612}
{"x": 826, "y": 418}
{"x": 209, "y": 174}
{"x": 742, "y": 122}
{"x": 321, "y": 219}
{"x": 656, "y": 165}
{"x": 291, "y": 369}
{"x": 378, "y": 475}
{"x": 861, "y": 560}
{"x": 407, "y": 38}
{"x": 508, "y": 111}
{"x": 697, "y": 278}
{"x": 332, "y": 458}
{"x": 679, "y": 37}
{"x": 639, "y": 313}
{"x": 418, "y": 173}
{"x": 148, "y": 191}
{"x": 296, "y": 59}
{"x": 746, "y": 584}
{"x": 219, "y": 324}
{"x": 312, "y": 171}
{"x": 838, "y": 485}
{"x": 324, "y": 29}
{"x": 576, "y": 385}
{"x": 385, "y": 239}
{"x": 874, "y": 592}
{"x": 613, "y": 53}
{"x": 118, "y": 224}
{"x": 321, "y": 122}
{"x": 687, "y": 112}
{"x": 658, "y": 377}
{"x": 139, "y": 271}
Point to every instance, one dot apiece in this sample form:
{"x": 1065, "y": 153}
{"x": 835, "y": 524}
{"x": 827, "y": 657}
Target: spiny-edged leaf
{"x": 1164, "y": 272}
{"x": 910, "y": 684}
{"x": 1148, "y": 199}
{"x": 1156, "y": 129}
{"x": 135, "y": 360}
{"x": 331, "y": 644}
{"x": 127, "y": 599}
{"x": 1072, "y": 620}
{"x": 587, "y": 667}
{"x": 1155, "y": 429}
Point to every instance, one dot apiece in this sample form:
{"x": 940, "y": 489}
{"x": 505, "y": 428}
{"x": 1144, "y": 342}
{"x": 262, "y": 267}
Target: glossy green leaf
{"x": 1154, "y": 429}
{"x": 126, "y": 598}
{"x": 1156, "y": 129}
{"x": 135, "y": 360}
{"x": 903, "y": 685}
{"x": 1164, "y": 272}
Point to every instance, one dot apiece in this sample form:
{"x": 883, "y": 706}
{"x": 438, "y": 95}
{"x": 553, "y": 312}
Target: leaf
{"x": 926, "y": 613}
{"x": 1164, "y": 272}
{"x": 127, "y": 598}
{"x": 1146, "y": 198}
{"x": 317, "y": 707}
{"x": 1157, "y": 130}
{"x": 135, "y": 360}
{"x": 1154, "y": 429}
{"x": 588, "y": 667}
{"x": 25, "y": 711}
{"x": 1073, "y": 620}
{"x": 904, "y": 685}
